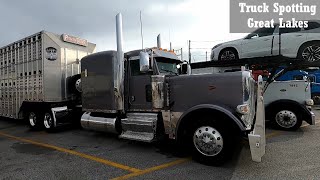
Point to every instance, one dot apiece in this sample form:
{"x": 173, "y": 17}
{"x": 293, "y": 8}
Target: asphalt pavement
{"x": 80, "y": 154}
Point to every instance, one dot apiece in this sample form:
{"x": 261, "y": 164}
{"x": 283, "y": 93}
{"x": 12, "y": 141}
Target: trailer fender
{"x": 183, "y": 120}
{"x": 307, "y": 114}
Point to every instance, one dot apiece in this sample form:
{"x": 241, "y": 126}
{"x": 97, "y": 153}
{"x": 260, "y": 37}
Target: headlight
{"x": 216, "y": 46}
{"x": 309, "y": 102}
{"x": 243, "y": 109}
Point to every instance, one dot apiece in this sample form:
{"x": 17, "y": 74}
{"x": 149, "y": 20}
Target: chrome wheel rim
{"x": 32, "y": 119}
{"x": 311, "y": 53}
{"x": 208, "y": 141}
{"x": 78, "y": 85}
{"x": 48, "y": 121}
{"x": 286, "y": 119}
{"x": 228, "y": 55}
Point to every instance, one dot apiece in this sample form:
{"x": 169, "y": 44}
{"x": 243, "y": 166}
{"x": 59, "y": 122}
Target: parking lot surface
{"x": 81, "y": 154}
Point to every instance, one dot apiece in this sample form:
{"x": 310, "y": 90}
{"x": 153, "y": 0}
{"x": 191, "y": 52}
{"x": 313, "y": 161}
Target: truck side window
{"x": 312, "y": 78}
{"x": 298, "y": 77}
{"x": 135, "y": 68}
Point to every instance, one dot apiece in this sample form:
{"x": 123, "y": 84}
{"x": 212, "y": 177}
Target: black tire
{"x": 316, "y": 98}
{"x": 309, "y": 52}
{"x": 72, "y": 84}
{"x": 228, "y": 54}
{"x": 35, "y": 120}
{"x": 48, "y": 122}
{"x": 223, "y": 139}
{"x": 286, "y": 118}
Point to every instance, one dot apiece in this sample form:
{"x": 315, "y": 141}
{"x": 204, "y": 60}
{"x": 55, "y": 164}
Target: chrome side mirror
{"x": 144, "y": 62}
{"x": 185, "y": 68}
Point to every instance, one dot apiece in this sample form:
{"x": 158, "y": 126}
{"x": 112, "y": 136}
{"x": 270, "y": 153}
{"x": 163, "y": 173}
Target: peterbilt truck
{"x": 140, "y": 95}
{"x": 287, "y": 103}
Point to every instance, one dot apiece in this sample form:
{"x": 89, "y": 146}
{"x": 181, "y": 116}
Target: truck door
{"x": 140, "y": 92}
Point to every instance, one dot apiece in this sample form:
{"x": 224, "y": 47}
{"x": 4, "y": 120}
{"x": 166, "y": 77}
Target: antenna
{"x": 141, "y": 29}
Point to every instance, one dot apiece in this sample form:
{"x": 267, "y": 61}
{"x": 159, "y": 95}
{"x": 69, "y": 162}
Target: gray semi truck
{"x": 141, "y": 95}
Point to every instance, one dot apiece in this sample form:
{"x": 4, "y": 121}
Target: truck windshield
{"x": 167, "y": 68}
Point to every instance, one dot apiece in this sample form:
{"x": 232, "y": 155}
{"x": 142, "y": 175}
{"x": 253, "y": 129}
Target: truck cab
{"x": 291, "y": 104}
{"x": 154, "y": 101}
{"x": 140, "y": 95}
{"x": 314, "y": 77}
{"x": 139, "y": 79}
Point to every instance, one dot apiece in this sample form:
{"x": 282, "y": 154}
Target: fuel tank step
{"x": 139, "y": 127}
{"x": 102, "y": 124}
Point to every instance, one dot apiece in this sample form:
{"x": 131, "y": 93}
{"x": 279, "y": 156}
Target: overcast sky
{"x": 176, "y": 20}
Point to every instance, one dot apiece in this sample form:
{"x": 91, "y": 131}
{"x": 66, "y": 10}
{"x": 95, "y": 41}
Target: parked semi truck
{"x": 287, "y": 103}
{"x": 141, "y": 96}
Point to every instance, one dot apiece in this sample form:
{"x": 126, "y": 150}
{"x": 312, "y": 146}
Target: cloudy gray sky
{"x": 177, "y": 20}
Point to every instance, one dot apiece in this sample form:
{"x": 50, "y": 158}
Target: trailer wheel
{"x": 35, "y": 120}
{"x": 48, "y": 122}
{"x": 286, "y": 118}
{"x": 74, "y": 84}
{"x": 211, "y": 142}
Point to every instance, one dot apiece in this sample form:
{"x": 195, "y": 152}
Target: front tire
{"x": 286, "y": 118}
{"x": 316, "y": 98}
{"x": 211, "y": 142}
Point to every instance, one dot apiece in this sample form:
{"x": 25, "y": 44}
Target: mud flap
{"x": 59, "y": 114}
{"x": 257, "y": 138}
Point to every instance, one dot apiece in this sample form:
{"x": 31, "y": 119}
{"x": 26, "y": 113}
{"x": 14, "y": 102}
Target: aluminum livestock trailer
{"x": 37, "y": 70}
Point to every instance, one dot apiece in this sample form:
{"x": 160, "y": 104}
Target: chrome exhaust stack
{"x": 108, "y": 124}
{"x": 159, "y": 41}
{"x": 119, "y": 78}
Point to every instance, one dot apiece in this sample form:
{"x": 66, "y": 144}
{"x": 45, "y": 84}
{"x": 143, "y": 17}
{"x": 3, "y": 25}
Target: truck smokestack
{"x": 159, "y": 41}
{"x": 120, "y": 65}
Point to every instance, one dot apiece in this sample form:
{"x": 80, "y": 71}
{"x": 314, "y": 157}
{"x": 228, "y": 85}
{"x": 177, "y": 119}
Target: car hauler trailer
{"x": 139, "y": 95}
{"x": 37, "y": 73}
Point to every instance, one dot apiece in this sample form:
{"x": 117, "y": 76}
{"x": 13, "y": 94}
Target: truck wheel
{"x": 48, "y": 122}
{"x": 211, "y": 143}
{"x": 316, "y": 98}
{"x": 287, "y": 119}
{"x": 35, "y": 120}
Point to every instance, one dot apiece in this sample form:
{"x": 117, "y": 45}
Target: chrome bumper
{"x": 313, "y": 118}
{"x": 257, "y": 138}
